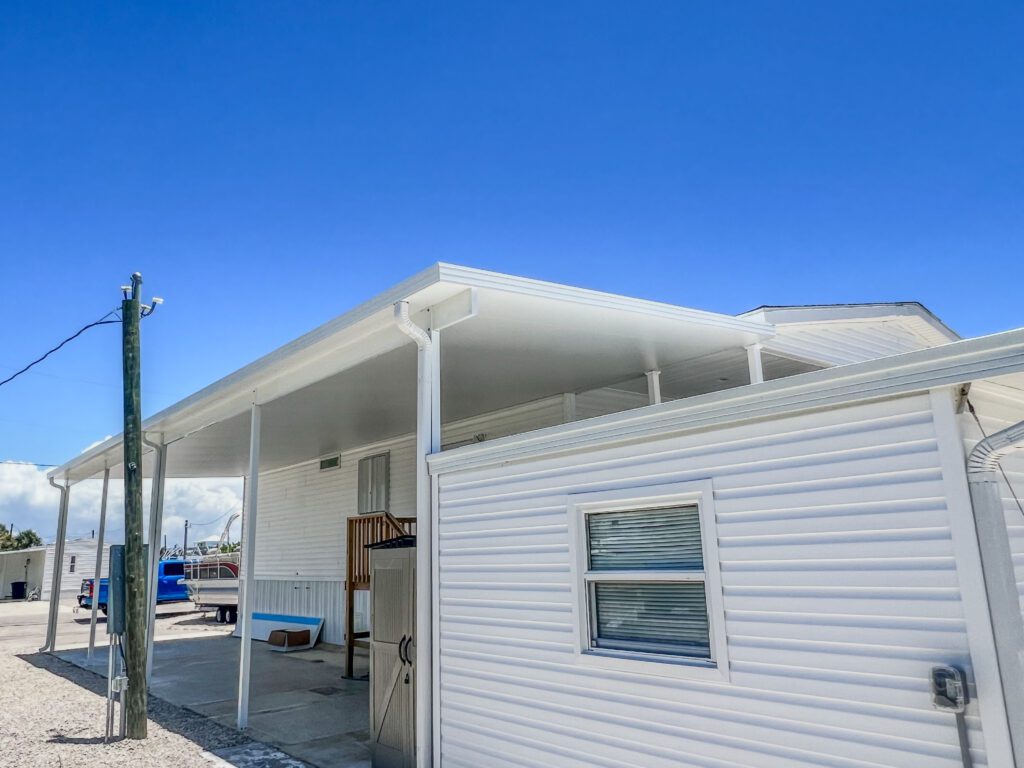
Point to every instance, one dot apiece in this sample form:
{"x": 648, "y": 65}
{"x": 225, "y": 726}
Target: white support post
{"x": 433, "y": 719}
{"x": 99, "y": 562}
{"x": 156, "y": 522}
{"x": 58, "y": 565}
{"x": 754, "y": 364}
{"x": 248, "y": 561}
{"x": 653, "y": 386}
{"x": 424, "y": 562}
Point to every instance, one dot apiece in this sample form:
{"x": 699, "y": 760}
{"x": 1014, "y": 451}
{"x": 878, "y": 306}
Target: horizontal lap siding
{"x": 322, "y": 599}
{"x": 301, "y": 522}
{"x": 840, "y": 593}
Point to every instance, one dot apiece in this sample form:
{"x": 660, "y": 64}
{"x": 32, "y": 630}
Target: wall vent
{"x": 331, "y": 463}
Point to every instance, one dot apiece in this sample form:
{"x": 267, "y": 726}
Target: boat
{"x": 211, "y": 577}
{"x": 212, "y": 583}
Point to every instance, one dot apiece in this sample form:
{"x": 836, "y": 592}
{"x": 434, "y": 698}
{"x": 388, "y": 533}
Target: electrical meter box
{"x": 949, "y": 689}
{"x": 115, "y": 591}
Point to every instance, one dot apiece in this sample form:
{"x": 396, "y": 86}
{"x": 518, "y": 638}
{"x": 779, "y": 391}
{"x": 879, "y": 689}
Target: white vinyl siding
{"x": 303, "y": 511}
{"x": 600, "y": 402}
{"x": 84, "y": 553}
{"x": 840, "y": 592}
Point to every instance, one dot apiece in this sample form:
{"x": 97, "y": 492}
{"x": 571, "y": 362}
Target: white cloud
{"x": 28, "y": 501}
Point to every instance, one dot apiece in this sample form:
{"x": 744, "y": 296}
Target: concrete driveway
{"x": 300, "y": 703}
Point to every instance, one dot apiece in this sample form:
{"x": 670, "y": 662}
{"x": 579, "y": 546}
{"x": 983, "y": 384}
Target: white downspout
{"x": 58, "y": 565}
{"x": 997, "y": 567}
{"x": 428, "y": 438}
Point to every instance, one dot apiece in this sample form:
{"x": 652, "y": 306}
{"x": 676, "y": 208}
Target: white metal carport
{"x": 506, "y": 340}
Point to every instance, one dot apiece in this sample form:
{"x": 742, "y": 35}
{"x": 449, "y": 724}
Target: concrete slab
{"x": 299, "y": 701}
{"x": 253, "y": 755}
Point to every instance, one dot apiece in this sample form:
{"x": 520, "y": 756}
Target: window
{"x": 629, "y": 610}
{"x": 73, "y": 560}
{"x": 174, "y": 569}
{"x": 374, "y": 484}
{"x": 647, "y": 579}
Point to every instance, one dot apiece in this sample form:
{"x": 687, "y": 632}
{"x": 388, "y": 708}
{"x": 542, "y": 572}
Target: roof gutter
{"x": 1000, "y": 582}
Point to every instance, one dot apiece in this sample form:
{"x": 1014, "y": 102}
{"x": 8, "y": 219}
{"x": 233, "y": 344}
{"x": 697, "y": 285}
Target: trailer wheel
{"x": 103, "y": 608}
{"x": 232, "y": 615}
{"x": 221, "y": 618}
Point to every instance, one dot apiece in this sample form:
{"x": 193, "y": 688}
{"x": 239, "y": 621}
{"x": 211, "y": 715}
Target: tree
{"x": 22, "y": 540}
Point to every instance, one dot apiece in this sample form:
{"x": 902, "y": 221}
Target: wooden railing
{"x": 361, "y": 532}
{"x": 370, "y": 529}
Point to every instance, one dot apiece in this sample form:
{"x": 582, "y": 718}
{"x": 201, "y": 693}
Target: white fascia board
{"x": 950, "y": 364}
{"x": 478, "y": 278}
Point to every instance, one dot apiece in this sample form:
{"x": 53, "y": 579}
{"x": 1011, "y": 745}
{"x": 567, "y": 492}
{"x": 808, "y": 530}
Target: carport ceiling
{"x": 351, "y": 383}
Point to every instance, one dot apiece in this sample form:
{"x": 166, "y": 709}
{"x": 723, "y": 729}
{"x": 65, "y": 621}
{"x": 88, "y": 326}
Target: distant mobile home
{"x": 646, "y": 535}
{"x": 35, "y": 565}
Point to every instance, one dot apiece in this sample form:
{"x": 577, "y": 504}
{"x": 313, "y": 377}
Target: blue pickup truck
{"x": 168, "y": 588}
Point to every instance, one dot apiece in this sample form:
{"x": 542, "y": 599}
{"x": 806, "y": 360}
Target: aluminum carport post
{"x": 156, "y": 524}
{"x": 1000, "y": 582}
{"x": 99, "y": 561}
{"x": 428, "y": 438}
{"x": 58, "y": 564}
{"x": 248, "y": 556}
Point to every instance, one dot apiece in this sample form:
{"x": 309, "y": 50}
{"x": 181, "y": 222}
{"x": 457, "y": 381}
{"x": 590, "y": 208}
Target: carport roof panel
{"x": 575, "y": 332}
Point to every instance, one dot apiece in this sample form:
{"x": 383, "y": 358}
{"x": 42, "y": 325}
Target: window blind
{"x": 651, "y": 539}
{"x": 653, "y": 617}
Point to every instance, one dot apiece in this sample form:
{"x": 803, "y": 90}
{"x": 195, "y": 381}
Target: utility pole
{"x": 185, "y": 548}
{"x": 135, "y": 563}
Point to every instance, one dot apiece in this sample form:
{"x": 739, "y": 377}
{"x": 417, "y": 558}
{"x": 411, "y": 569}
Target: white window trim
{"x": 696, "y": 492}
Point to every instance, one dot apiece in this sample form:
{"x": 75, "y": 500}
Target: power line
{"x": 27, "y": 463}
{"x": 102, "y": 321}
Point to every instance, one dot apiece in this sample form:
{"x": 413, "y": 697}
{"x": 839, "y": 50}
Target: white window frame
{"x": 699, "y": 493}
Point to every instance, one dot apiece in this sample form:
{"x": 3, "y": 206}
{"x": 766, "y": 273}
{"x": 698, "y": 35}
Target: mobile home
{"x": 645, "y": 534}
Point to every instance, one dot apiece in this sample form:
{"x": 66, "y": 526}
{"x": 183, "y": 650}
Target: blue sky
{"x": 267, "y": 166}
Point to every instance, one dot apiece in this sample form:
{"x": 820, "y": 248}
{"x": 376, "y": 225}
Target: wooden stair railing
{"x": 362, "y": 531}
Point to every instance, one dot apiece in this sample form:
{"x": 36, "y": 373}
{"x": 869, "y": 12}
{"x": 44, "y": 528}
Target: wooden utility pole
{"x": 134, "y": 556}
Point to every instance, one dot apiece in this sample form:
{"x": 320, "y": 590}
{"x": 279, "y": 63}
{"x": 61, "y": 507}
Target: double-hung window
{"x": 648, "y": 592}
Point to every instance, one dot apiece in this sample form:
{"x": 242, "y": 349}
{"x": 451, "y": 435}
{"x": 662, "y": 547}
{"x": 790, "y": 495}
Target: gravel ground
{"x": 53, "y": 714}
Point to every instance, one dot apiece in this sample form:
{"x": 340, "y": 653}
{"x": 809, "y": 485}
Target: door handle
{"x": 401, "y": 649}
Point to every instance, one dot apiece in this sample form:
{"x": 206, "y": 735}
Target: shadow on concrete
{"x": 299, "y": 702}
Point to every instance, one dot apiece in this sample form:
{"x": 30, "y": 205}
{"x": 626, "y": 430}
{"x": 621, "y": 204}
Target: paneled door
{"x": 392, "y": 657}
